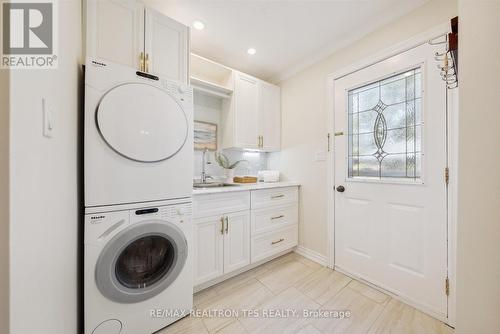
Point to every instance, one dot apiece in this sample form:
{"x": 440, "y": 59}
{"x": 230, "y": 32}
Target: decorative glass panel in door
{"x": 385, "y": 127}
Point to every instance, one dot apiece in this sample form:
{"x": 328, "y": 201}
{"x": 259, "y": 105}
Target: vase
{"x": 229, "y": 175}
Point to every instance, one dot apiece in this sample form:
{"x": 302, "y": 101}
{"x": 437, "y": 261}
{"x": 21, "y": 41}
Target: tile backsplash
{"x": 255, "y": 161}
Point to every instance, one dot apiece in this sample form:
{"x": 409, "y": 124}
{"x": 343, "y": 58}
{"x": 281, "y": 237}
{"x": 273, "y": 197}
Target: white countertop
{"x": 244, "y": 187}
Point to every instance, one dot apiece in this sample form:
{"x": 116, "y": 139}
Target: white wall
{"x": 478, "y": 258}
{"x": 304, "y": 119}
{"x": 44, "y": 203}
{"x": 4, "y": 201}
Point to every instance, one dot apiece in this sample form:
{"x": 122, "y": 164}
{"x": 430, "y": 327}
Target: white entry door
{"x": 390, "y": 196}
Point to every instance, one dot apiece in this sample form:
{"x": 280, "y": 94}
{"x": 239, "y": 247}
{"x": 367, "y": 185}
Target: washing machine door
{"x": 141, "y": 261}
{"x": 141, "y": 122}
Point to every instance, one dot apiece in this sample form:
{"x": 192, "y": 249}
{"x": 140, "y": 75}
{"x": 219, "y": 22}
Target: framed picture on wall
{"x": 205, "y": 136}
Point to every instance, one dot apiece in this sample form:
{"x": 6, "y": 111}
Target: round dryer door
{"x": 142, "y": 122}
{"x": 141, "y": 261}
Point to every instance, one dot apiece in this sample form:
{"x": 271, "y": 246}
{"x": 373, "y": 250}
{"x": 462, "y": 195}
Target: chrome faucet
{"x": 204, "y": 176}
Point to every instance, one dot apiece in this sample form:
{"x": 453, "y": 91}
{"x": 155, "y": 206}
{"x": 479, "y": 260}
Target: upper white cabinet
{"x": 270, "y": 116}
{"x": 128, "y": 33}
{"x": 115, "y": 31}
{"x": 252, "y": 118}
{"x": 246, "y": 109}
{"x": 166, "y": 46}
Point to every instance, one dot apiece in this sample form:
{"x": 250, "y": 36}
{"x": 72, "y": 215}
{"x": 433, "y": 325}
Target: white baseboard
{"x": 311, "y": 255}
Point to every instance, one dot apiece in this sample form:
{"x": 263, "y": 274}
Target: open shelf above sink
{"x": 210, "y": 88}
{"x": 211, "y": 78}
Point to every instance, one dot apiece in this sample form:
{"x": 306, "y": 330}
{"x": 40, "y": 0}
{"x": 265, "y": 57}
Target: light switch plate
{"x": 48, "y": 120}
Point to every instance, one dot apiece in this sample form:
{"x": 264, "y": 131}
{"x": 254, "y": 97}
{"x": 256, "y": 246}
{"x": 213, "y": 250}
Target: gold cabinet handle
{"x": 227, "y": 225}
{"x": 221, "y": 225}
{"x": 277, "y": 196}
{"x": 278, "y": 217}
{"x": 147, "y": 63}
{"x": 277, "y": 241}
{"x": 141, "y": 62}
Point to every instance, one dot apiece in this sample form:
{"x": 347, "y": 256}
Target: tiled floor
{"x": 293, "y": 282}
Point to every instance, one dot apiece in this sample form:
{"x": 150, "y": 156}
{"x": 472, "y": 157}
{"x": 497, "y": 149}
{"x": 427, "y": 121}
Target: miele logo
{"x": 96, "y": 219}
{"x": 98, "y": 63}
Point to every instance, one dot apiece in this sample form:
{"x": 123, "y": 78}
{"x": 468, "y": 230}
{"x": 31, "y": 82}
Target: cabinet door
{"x": 246, "y": 117}
{"x": 208, "y": 249}
{"x": 115, "y": 31}
{"x": 237, "y": 241}
{"x": 166, "y": 45}
{"x": 270, "y": 116}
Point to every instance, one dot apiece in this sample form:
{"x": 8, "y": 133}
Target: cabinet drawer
{"x": 269, "y": 219}
{"x": 220, "y": 203}
{"x": 271, "y": 243}
{"x": 273, "y": 197}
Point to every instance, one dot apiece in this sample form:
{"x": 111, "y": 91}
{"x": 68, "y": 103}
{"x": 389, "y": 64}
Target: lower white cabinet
{"x": 236, "y": 241}
{"x": 273, "y": 218}
{"x": 233, "y": 230}
{"x": 222, "y": 245}
{"x": 209, "y": 249}
{"x": 268, "y": 244}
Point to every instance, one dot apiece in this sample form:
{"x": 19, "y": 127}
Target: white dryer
{"x": 138, "y": 136}
{"x": 138, "y": 276}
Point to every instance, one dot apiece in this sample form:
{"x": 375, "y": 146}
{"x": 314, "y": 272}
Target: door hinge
{"x": 447, "y": 175}
{"x": 447, "y": 286}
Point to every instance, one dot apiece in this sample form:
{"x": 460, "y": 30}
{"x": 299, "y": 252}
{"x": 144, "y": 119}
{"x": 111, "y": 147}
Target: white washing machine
{"x": 138, "y": 136}
{"x": 138, "y": 275}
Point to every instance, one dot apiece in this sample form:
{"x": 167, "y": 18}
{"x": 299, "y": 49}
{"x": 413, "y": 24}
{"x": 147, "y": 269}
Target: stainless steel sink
{"x": 213, "y": 185}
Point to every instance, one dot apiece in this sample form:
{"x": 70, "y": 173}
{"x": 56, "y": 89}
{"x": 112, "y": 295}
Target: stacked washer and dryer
{"x": 138, "y": 184}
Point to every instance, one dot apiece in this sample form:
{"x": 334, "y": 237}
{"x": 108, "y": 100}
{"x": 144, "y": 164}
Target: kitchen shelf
{"x": 211, "y": 78}
{"x": 210, "y": 88}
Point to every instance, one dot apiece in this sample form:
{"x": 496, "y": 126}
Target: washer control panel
{"x": 177, "y": 213}
{"x": 180, "y": 213}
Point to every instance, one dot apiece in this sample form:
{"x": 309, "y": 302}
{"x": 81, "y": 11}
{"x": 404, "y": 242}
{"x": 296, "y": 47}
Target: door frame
{"x": 452, "y": 156}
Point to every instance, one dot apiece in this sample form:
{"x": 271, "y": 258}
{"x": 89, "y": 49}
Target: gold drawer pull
{"x": 278, "y": 196}
{"x": 277, "y": 241}
{"x": 278, "y": 217}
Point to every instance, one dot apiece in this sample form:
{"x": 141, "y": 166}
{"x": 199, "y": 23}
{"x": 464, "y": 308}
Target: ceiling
{"x": 288, "y": 34}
